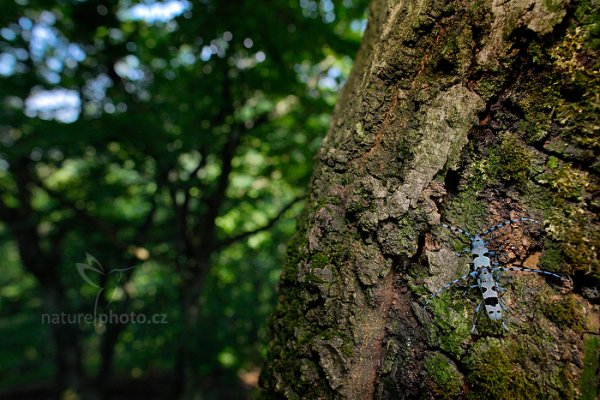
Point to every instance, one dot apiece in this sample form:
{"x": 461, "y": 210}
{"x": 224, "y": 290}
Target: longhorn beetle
{"x": 483, "y": 271}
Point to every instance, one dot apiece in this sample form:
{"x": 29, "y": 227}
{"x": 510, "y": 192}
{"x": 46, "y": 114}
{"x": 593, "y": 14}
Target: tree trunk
{"x": 42, "y": 259}
{"x": 467, "y": 113}
{"x": 69, "y": 373}
{"x": 69, "y": 377}
{"x": 186, "y": 376}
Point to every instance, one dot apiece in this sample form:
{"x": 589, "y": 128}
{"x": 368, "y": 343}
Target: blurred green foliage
{"x": 158, "y": 136}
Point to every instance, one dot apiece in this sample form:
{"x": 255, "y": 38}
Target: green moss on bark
{"x": 565, "y": 313}
{"x": 589, "y": 377}
{"x": 515, "y": 369}
{"x": 447, "y": 381}
{"x": 490, "y": 370}
{"x": 451, "y": 327}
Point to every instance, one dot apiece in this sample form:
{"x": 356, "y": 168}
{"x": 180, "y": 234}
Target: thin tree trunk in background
{"x": 69, "y": 374}
{"x": 186, "y": 376}
{"x": 107, "y": 352}
{"x": 467, "y": 113}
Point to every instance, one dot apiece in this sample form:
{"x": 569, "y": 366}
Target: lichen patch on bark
{"x": 444, "y": 267}
{"x": 444, "y": 133}
{"x": 539, "y": 16}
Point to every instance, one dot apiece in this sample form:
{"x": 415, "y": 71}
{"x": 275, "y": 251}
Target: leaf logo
{"x": 93, "y": 266}
{"x": 83, "y": 268}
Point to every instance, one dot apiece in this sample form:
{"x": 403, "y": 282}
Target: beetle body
{"x": 483, "y": 272}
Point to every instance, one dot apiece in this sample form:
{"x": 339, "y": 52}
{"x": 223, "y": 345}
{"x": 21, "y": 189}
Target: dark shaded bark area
{"x": 468, "y": 113}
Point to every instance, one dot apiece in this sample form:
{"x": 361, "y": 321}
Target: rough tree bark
{"x": 467, "y": 113}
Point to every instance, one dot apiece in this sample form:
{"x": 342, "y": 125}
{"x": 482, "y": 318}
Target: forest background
{"x": 153, "y": 158}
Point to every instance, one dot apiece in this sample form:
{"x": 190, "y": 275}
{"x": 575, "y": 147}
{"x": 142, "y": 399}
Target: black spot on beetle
{"x": 491, "y": 301}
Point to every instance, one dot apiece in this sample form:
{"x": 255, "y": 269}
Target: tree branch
{"x": 192, "y": 178}
{"x": 267, "y": 226}
{"x": 214, "y": 201}
{"x": 109, "y": 231}
{"x": 96, "y": 222}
